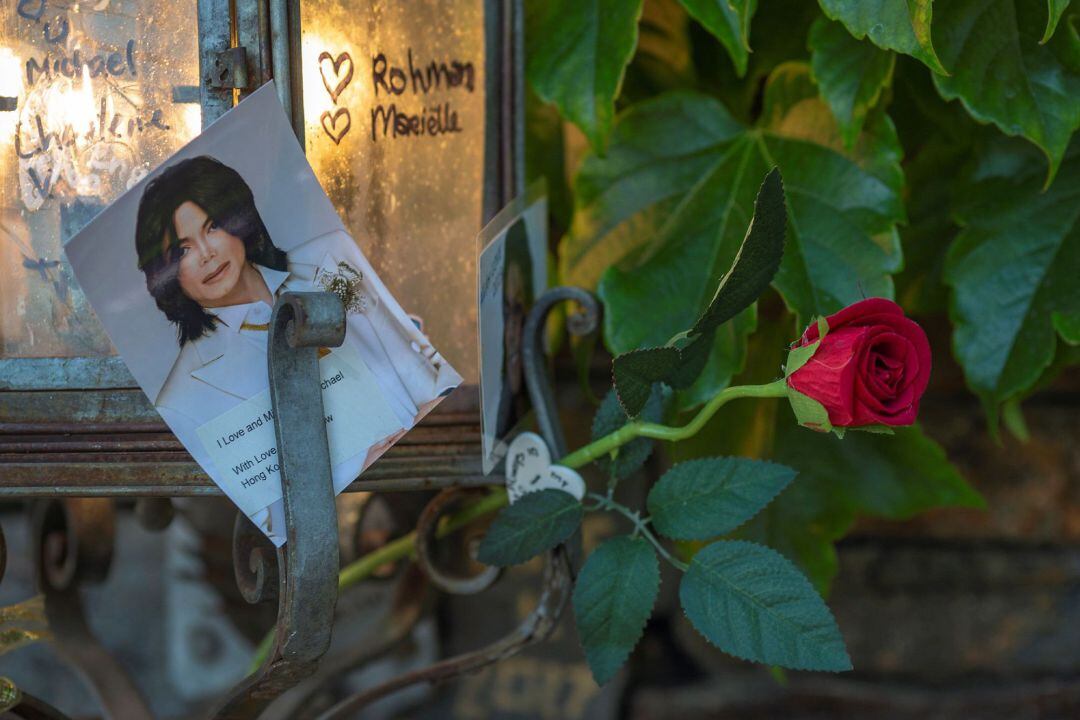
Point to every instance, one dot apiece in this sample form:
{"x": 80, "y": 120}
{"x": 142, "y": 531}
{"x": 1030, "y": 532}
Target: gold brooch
{"x": 346, "y": 284}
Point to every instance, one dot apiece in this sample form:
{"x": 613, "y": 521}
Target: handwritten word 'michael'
{"x": 114, "y": 63}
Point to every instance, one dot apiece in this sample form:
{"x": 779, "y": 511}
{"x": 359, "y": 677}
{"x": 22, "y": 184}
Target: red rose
{"x": 871, "y": 367}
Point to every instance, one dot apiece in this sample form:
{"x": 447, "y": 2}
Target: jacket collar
{"x": 228, "y": 361}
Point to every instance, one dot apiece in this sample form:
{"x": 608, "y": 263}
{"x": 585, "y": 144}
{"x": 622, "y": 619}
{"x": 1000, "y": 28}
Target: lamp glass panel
{"x": 93, "y": 95}
{"x": 394, "y": 125}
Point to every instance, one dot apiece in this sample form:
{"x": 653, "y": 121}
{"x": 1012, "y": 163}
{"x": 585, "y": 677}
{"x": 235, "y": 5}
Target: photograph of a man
{"x": 184, "y": 270}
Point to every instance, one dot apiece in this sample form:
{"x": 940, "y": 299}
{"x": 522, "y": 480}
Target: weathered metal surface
{"x": 73, "y": 546}
{"x": 426, "y": 526}
{"x": 582, "y": 322}
{"x": 69, "y": 373}
{"x": 536, "y": 627}
{"x": 215, "y": 37}
{"x": 308, "y": 565}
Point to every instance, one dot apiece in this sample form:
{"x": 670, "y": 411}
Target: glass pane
{"x": 394, "y": 110}
{"x": 102, "y": 91}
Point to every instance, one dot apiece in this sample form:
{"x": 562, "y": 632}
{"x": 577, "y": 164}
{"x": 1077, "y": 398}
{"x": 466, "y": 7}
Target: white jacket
{"x": 218, "y": 371}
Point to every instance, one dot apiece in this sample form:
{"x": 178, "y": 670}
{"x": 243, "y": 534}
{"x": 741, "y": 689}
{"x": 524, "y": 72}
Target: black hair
{"x": 227, "y": 200}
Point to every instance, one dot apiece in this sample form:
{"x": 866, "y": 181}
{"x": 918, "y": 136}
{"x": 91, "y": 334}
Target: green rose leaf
{"x": 1057, "y": 9}
{"x": 729, "y": 21}
{"x": 850, "y": 73}
{"x": 900, "y": 25}
{"x": 577, "y": 57}
{"x": 753, "y": 603}
{"x": 613, "y": 598}
{"x": 1013, "y": 269}
{"x": 701, "y": 499}
{"x": 750, "y": 272}
{"x": 537, "y": 522}
{"x": 1004, "y": 75}
{"x": 610, "y": 417}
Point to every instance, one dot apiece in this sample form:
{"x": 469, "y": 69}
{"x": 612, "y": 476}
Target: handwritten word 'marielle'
{"x": 388, "y": 120}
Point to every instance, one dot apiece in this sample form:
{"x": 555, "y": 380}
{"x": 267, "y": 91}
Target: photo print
{"x": 512, "y": 273}
{"x": 183, "y": 271}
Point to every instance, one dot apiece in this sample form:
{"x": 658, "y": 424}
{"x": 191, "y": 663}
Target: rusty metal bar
{"x": 308, "y": 565}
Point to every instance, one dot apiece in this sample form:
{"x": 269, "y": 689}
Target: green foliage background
{"x": 927, "y": 153}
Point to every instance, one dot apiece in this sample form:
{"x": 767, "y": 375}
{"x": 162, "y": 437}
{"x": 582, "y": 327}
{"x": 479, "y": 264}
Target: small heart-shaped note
{"x": 330, "y": 69}
{"x": 330, "y": 124}
{"x": 529, "y": 469}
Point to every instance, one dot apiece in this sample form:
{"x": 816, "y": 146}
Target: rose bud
{"x": 871, "y": 367}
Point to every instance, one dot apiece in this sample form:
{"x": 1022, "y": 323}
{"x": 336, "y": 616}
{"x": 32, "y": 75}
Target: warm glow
{"x": 191, "y": 115}
{"x": 9, "y": 87}
{"x": 316, "y": 99}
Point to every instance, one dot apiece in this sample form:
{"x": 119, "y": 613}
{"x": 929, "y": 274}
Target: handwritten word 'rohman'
{"x": 392, "y": 80}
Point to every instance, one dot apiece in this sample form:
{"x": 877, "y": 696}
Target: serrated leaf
{"x": 753, "y": 603}
{"x": 729, "y": 21}
{"x": 610, "y": 417}
{"x": 1003, "y": 75}
{"x": 900, "y": 25}
{"x": 701, "y": 499}
{"x": 634, "y": 374}
{"x": 1055, "y": 8}
{"x": 750, "y": 272}
{"x": 850, "y": 73}
{"x": 537, "y": 522}
{"x": 577, "y": 57}
{"x": 613, "y": 598}
{"x": 1014, "y": 265}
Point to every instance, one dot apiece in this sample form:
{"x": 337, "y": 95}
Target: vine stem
{"x": 405, "y": 546}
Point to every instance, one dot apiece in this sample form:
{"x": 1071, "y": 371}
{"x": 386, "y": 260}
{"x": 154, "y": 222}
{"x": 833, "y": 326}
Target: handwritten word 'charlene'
{"x": 388, "y": 120}
{"x": 38, "y": 139}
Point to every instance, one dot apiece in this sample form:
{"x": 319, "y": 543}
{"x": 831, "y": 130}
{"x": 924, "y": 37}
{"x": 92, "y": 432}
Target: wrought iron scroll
{"x": 308, "y": 564}
{"x": 73, "y": 545}
{"x": 558, "y": 572}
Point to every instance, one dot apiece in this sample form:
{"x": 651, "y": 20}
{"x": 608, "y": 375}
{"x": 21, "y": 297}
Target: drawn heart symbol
{"x": 529, "y": 469}
{"x": 329, "y": 66}
{"x": 330, "y": 124}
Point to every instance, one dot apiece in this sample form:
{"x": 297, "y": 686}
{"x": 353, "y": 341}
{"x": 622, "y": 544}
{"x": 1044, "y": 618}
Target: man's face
{"x": 211, "y": 260}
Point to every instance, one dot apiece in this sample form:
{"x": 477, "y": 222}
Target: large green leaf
{"x": 1013, "y": 268}
{"x": 659, "y": 151}
{"x": 1004, "y": 75}
{"x": 754, "y": 604}
{"x": 1056, "y": 9}
{"x": 577, "y": 56}
{"x": 538, "y": 521}
{"x": 900, "y": 25}
{"x": 613, "y": 598}
{"x": 729, "y": 21}
{"x": 702, "y": 499}
{"x": 850, "y": 73}
{"x": 752, "y": 268}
